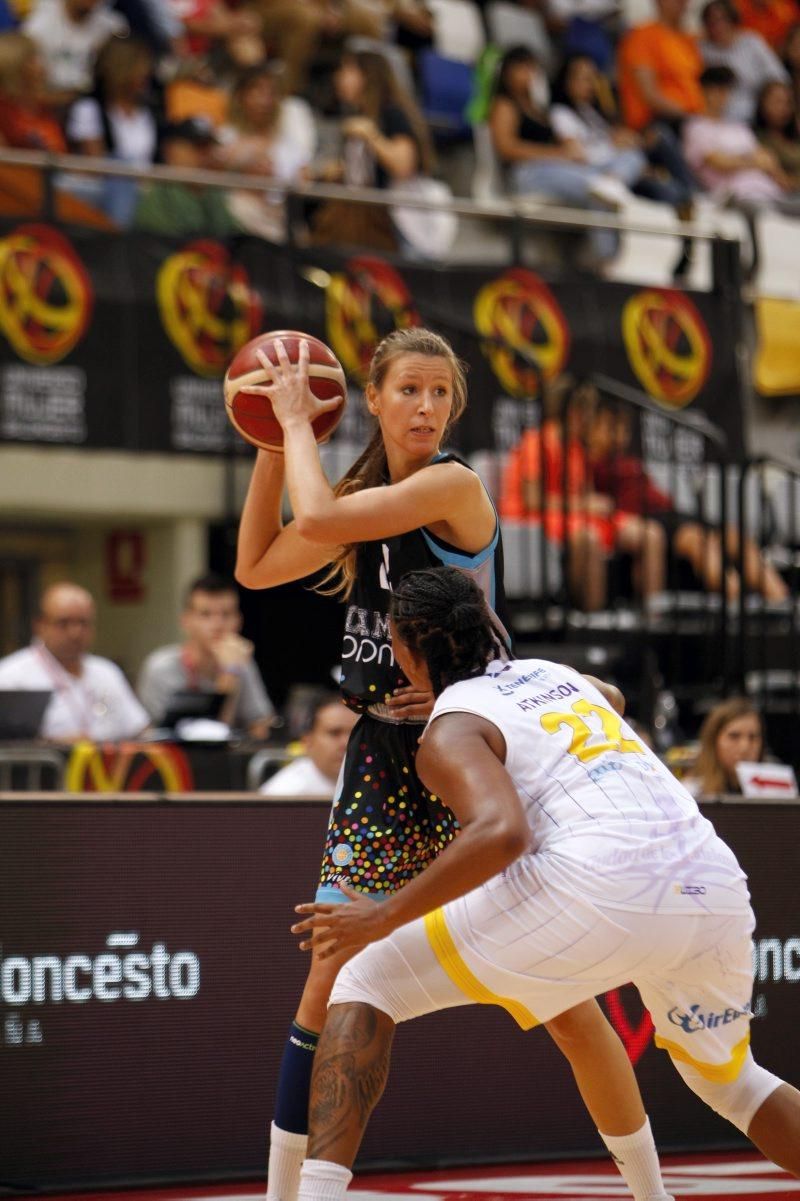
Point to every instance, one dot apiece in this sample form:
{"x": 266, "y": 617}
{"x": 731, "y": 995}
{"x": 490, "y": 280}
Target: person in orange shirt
{"x": 552, "y": 461}
{"x": 659, "y": 67}
{"x": 771, "y": 18}
{"x": 27, "y": 120}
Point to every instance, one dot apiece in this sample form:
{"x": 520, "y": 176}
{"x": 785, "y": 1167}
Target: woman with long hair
{"x": 121, "y": 121}
{"x": 270, "y": 136}
{"x": 733, "y": 732}
{"x": 777, "y": 126}
{"x": 384, "y": 141}
{"x": 403, "y": 505}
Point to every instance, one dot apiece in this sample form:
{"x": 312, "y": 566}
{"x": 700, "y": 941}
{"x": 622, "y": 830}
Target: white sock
{"x": 323, "y": 1181}
{"x": 286, "y": 1154}
{"x": 637, "y": 1161}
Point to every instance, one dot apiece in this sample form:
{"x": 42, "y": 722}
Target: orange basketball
{"x": 253, "y": 415}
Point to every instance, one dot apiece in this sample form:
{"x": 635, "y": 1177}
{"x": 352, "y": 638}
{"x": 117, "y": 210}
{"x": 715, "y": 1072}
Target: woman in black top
{"x": 540, "y": 162}
{"x": 384, "y": 141}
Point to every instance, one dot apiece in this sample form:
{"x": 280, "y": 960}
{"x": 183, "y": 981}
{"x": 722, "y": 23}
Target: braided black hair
{"x": 441, "y": 615}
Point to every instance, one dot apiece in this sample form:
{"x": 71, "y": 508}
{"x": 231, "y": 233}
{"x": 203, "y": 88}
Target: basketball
{"x": 252, "y": 415}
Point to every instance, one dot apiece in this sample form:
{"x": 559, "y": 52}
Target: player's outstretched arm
{"x": 460, "y": 761}
{"x": 269, "y": 553}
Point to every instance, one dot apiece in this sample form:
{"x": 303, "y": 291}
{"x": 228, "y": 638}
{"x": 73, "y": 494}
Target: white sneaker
{"x": 610, "y": 191}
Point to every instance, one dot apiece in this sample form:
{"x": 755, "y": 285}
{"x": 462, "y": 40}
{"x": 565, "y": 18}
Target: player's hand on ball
{"x": 287, "y": 387}
{"x": 408, "y": 701}
{"x": 335, "y": 928}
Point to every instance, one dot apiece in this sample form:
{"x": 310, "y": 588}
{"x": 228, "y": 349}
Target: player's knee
{"x": 367, "y": 978}
{"x": 736, "y": 1100}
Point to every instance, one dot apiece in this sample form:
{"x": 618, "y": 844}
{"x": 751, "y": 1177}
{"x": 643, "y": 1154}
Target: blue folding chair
{"x": 446, "y": 88}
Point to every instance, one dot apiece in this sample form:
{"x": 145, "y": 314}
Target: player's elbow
{"x": 509, "y": 838}
{"x": 313, "y": 527}
{"x": 245, "y": 573}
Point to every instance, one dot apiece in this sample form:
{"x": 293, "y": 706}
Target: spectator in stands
{"x": 620, "y": 476}
{"x": 185, "y": 209}
{"x": 91, "y": 697}
{"x": 578, "y": 115}
{"x": 315, "y": 773}
{"x": 384, "y": 141}
{"x": 208, "y": 23}
{"x": 267, "y": 137}
{"x": 119, "y": 121}
{"x": 659, "y": 66}
{"x": 297, "y": 29}
{"x": 725, "y": 155}
{"x": 733, "y": 732}
{"x": 539, "y": 470}
{"x": 70, "y": 34}
{"x": 27, "y": 117}
{"x": 539, "y": 161}
{"x": 778, "y": 128}
{"x": 773, "y": 19}
{"x": 752, "y": 61}
{"x": 213, "y": 657}
{"x": 791, "y": 60}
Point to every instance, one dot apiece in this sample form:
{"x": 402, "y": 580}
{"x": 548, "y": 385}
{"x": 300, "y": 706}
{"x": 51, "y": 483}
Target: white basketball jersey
{"x": 612, "y": 821}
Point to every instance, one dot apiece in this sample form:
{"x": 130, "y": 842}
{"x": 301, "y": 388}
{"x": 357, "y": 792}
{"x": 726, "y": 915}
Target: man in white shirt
{"x": 315, "y": 773}
{"x": 69, "y": 34}
{"x": 91, "y": 697}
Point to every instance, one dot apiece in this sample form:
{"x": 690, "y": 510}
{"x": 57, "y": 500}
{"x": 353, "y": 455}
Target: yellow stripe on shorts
{"x": 719, "y": 1073}
{"x": 446, "y": 951}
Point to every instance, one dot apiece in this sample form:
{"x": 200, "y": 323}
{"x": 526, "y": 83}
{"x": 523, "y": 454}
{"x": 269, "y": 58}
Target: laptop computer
{"x": 188, "y": 703}
{"x": 21, "y": 713}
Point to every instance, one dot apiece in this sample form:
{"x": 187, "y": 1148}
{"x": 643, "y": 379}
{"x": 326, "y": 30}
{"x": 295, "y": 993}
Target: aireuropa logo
{"x": 365, "y": 300}
{"x": 525, "y": 333}
{"x": 668, "y": 345}
{"x": 118, "y": 973}
{"x": 207, "y": 304}
{"x": 46, "y": 295}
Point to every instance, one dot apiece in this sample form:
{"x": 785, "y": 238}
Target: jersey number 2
{"x": 582, "y": 731}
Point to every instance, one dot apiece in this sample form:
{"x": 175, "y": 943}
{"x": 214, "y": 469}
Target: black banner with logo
{"x": 148, "y": 978}
{"x": 113, "y": 342}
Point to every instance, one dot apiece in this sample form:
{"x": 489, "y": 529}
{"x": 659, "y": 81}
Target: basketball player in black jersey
{"x": 403, "y": 505}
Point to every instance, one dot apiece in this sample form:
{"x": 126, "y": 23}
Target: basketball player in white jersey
{"x": 581, "y": 864}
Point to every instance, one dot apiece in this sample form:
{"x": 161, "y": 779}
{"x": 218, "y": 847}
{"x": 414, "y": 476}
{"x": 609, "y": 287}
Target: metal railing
{"x": 518, "y": 214}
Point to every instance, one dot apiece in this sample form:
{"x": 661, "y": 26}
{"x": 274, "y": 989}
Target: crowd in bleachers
{"x": 579, "y": 102}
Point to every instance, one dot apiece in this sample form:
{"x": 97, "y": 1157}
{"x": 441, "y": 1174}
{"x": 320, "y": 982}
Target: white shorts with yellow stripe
{"x": 538, "y": 956}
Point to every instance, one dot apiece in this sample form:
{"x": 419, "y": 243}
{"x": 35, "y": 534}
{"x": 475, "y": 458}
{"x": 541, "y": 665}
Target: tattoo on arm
{"x": 351, "y": 1066}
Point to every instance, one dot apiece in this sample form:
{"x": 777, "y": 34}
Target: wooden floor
{"x": 717, "y": 1178}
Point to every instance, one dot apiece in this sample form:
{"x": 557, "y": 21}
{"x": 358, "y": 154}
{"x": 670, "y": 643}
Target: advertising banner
{"x": 148, "y": 979}
{"x": 113, "y": 342}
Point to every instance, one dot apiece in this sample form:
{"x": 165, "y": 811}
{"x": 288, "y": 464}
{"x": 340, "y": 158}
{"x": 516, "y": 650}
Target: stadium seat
{"x": 510, "y": 25}
{"x": 458, "y": 30}
{"x": 446, "y": 86}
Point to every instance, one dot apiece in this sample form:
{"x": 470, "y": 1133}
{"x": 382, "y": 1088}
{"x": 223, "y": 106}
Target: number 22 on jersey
{"x": 611, "y": 737}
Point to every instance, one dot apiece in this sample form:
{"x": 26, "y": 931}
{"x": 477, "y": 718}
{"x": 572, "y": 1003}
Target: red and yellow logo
{"x": 668, "y": 345}
{"x": 207, "y": 306}
{"x": 127, "y": 767}
{"x": 46, "y": 295}
{"x": 363, "y": 303}
{"x": 525, "y": 332}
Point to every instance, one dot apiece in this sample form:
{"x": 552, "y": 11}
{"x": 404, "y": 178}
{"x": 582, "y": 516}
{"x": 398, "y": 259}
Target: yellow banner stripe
{"x": 719, "y": 1073}
{"x": 447, "y": 953}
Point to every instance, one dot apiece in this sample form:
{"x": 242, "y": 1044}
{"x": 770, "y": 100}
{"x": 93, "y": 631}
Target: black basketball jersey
{"x": 369, "y": 672}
